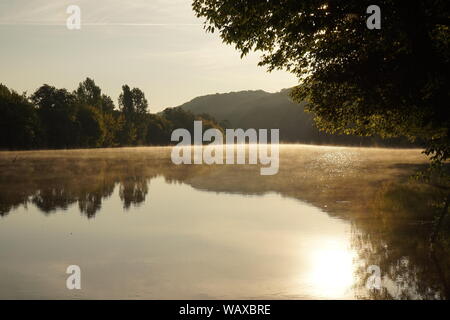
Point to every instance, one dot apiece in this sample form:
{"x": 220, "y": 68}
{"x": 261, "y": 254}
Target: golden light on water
{"x": 331, "y": 273}
{"x": 228, "y": 233}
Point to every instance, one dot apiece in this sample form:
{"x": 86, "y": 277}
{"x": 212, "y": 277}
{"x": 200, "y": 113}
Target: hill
{"x": 260, "y": 109}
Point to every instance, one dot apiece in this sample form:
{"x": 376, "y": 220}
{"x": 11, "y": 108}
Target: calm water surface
{"x": 140, "y": 227}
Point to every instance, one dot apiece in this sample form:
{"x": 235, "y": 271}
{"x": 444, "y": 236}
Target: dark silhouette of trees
{"x": 392, "y": 82}
{"x": 134, "y": 105}
{"x": 126, "y": 101}
{"x": 92, "y": 130}
{"x": 56, "y": 118}
{"x": 19, "y": 122}
{"x": 89, "y": 93}
{"x": 158, "y": 130}
{"x": 57, "y": 110}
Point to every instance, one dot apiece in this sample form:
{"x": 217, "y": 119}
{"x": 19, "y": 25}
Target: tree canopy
{"x": 56, "y": 118}
{"x": 392, "y": 81}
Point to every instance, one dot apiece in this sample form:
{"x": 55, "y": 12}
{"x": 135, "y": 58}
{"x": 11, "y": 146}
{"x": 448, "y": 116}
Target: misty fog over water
{"x": 142, "y": 227}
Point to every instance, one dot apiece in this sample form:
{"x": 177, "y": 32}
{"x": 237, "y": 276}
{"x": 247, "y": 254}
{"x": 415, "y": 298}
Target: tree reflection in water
{"x": 391, "y": 216}
{"x": 396, "y": 238}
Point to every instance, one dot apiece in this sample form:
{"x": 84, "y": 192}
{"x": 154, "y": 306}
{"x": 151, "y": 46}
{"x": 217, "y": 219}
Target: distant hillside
{"x": 260, "y": 109}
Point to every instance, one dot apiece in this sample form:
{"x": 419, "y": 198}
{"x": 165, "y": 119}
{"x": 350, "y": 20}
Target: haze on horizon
{"x": 158, "y": 46}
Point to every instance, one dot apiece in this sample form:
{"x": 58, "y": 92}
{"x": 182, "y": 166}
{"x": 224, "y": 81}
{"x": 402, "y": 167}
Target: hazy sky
{"x": 156, "y": 45}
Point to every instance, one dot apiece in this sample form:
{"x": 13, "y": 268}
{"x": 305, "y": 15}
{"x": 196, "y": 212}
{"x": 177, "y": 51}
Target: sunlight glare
{"x": 331, "y": 271}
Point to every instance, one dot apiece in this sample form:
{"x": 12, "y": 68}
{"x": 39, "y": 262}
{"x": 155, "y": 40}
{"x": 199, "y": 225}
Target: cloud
{"x": 99, "y": 12}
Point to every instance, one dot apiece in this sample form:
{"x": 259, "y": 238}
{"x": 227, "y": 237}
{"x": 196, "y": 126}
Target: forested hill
{"x": 260, "y": 109}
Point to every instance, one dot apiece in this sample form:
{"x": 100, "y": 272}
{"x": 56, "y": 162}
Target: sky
{"x": 158, "y": 46}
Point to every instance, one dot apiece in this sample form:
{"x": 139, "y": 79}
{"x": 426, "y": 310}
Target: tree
{"x": 133, "y": 104}
{"x": 92, "y": 130}
{"x": 19, "y": 123}
{"x": 140, "y": 103}
{"x": 88, "y": 93}
{"x": 56, "y": 118}
{"x": 132, "y": 101}
{"x": 126, "y": 133}
{"x": 107, "y": 104}
{"x": 112, "y": 126}
{"x": 158, "y": 130}
{"x": 393, "y": 81}
{"x": 57, "y": 111}
{"x": 179, "y": 118}
{"x": 126, "y": 101}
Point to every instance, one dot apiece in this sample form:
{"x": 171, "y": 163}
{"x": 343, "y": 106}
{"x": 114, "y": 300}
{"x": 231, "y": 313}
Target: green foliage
{"x": 57, "y": 110}
{"x": 88, "y": 93}
{"x": 19, "y": 122}
{"x": 392, "y": 82}
{"x": 112, "y": 126}
{"x": 92, "y": 130}
{"x": 134, "y": 105}
{"x": 179, "y": 118}
{"x": 55, "y": 118}
{"x": 158, "y": 130}
{"x": 126, "y": 101}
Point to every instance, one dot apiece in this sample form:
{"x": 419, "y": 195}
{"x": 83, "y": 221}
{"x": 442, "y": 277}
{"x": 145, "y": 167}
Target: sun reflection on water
{"x": 331, "y": 272}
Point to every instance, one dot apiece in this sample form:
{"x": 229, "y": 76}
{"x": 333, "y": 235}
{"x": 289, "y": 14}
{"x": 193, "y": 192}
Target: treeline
{"x": 85, "y": 118}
